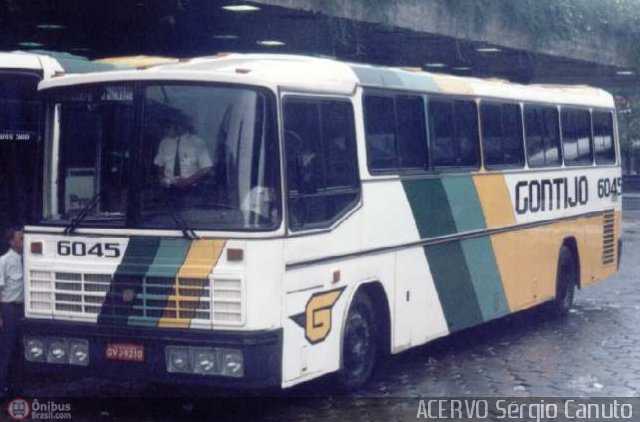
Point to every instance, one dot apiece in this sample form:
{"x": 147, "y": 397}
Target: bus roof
{"x": 50, "y": 62}
{"x": 316, "y": 74}
{"x": 20, "y": 60}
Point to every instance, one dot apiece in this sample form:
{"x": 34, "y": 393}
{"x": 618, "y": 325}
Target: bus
{"x": 318, "y": 215}
{"x": 20, "y": 130}
{"x": 21, "y": 127}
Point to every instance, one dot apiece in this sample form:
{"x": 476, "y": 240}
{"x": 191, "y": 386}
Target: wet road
{"x": 594, "y": 351}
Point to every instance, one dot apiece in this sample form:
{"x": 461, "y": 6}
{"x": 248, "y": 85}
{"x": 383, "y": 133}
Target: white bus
{"x": 318, "y": 215}
{"x": 20, "y": 130}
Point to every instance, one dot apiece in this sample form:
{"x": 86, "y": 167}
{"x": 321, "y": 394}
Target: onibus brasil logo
{"x": 18, "y": 409}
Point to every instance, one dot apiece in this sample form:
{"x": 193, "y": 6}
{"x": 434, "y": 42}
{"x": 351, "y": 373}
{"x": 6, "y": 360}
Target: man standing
{"x": 11, "y": 305}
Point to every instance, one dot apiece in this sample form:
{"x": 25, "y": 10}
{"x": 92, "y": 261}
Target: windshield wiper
{"x": 187, "y": 231}
{"x": 82, "y": 215}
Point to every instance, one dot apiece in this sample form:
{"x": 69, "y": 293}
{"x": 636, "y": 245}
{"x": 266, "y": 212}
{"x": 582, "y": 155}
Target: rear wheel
{"x": 359, "y": 344}
{"x": 567, "y": 280}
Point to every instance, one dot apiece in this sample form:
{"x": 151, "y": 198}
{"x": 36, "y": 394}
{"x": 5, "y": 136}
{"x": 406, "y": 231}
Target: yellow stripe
{"x": 202, "y": 257}
{"x": 495, "y": 200}
{"x": 453, "y": 85}
{"x": 527, "y": 259}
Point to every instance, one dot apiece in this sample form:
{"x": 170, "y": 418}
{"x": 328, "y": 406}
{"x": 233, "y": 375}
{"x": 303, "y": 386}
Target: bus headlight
{"x": 177, "y": 359}
{"x": 74, "y": 351}
{"x": 58, "y": 351}
{"x": 204, "y": 361}
{"x": 34, "y": 349}
{"x": 232, "y": 363}
{"x": 79, "y": 352}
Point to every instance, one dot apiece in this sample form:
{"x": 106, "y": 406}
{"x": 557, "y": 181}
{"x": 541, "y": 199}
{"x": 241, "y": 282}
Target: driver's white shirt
{"x": 193, "y": 155}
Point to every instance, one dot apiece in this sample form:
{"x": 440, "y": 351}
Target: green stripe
{"x": 465, "y": 272}
{"x": 433, "y": 217}
{"x": 464, "y": 203}
{"x": 377, "y": 76}
{"x": 418, "y": 81}
{"x": 485, "y": 277}
{"x": 138, "y": 256}
{"x": 430, "y": 207}
{"x": 167, "y": 262}
{"x": 394, "y": 78}
{"x": 453, "y": 284}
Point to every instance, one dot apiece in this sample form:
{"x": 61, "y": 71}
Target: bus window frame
{"x": 349, "y": 210}
{"x": 523, "y": 149}
{"x": 394, "y": 94}
{"x": 556, "y": 107}
{"x": 578, "y": 163}
{"x": 614, "y": 133}
{"x": 452, "y": 98}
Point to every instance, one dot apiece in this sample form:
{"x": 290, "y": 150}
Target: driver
{"x": 182, "y": 158}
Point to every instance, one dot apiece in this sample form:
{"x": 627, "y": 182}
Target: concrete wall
{"x": 432, "y": 16}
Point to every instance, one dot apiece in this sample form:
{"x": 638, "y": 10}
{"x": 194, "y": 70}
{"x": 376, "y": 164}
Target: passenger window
{"x": 502, "y": 144}
{"x": 396, "y": 134}
{"x": 381, "y": 133}
{"x": 542, "y": 132}
{"x": 603, "y": 137}
{"x": 576, "y": 137}
{"x": 453, "y": 131}
{"x": 322, "y": 171}
{"x": 412, "y": 134}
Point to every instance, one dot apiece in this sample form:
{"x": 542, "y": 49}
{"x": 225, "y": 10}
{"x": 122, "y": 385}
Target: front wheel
{"x": 359, "y": 344}
{"x": 566, "y": 283}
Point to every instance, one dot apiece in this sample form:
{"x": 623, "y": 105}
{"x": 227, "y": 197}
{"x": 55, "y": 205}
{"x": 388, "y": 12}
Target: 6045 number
{"x": 608, "y": 187}
{"x": 107, "y": 250}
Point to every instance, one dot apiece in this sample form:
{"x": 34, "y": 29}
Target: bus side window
{"x": 502, "y": 143}
{"x": 396, "y": 133}
{"x": 576, "y": 137}
{"x": 412, "y": 136}
{"x": 379, "y": 119}
{"x": 453, "y": 131}
{"x": 322, "y": 171}
{"x": 542, "y": 132}
{"x": 603, "y": 137}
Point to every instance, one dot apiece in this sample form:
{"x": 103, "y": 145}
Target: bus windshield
{"x": 166, "y": 156}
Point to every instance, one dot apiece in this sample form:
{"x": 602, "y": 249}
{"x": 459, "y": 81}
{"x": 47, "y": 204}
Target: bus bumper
{"x": 260, "y": 351}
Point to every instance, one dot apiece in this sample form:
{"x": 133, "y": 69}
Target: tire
{"x": 359, "y": 344}
{"x": 566, "y": 283}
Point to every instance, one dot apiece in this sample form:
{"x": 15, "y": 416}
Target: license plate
{"x": 125, "y": 352}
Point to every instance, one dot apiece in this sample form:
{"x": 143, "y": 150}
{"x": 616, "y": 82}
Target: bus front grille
{"x": 147, "y": 301}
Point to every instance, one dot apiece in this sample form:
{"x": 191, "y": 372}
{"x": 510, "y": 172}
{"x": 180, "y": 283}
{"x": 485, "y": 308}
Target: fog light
{"x": 177, "y": 359}
{"x": 232, "y": 363}
{"x": 204, "y": 361}
{"x": 79, "y": 352}
{"x": 58, "y": 351}
{"x": 34, "y": 349}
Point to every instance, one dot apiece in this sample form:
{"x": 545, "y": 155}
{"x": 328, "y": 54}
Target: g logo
{"x": 316, "y": 319}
